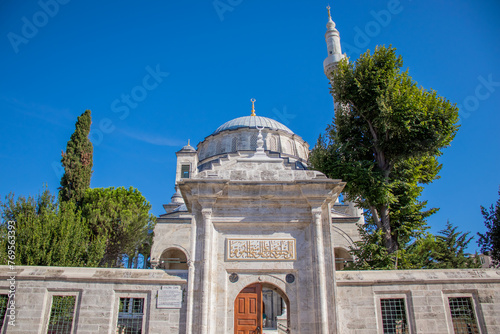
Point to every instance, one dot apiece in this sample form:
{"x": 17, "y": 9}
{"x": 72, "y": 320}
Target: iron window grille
{"x": 4, "y": 302}
{"x": 394, "y": 316}
{"x": 462, "y": 315}
{"x": 185, "y": 171}
{"x": 61, "y": 314}
{"x": 130, "y": 316}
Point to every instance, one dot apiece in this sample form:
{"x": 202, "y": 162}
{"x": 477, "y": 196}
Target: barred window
{"x": 253, "y": 141}
{"x": 4, "y": 301}
{"x": 273, "y": 144}
{"x": 61, "y": 314}
{"x": 130, "y": 316}
{"x": 185, "y": 171}
{"x": 394, "y": 316}
{"x": 462, "y": 315}
{"x": 234, "y": 144}
{"x": 218, "y": 147}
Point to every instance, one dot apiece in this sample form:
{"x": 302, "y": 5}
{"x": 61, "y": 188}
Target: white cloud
{"x": 152, "y": 138}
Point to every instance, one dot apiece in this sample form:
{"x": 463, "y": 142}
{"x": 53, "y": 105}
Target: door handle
{"x": 258, "y": 330}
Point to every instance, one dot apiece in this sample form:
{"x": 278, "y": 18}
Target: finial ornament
{"x": 253, "y": 107}
{"x": 189, "y": 141}
{"x": 328, "y": 8}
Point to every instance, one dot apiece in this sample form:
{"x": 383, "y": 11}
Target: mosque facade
{"x": 253, "y": 242}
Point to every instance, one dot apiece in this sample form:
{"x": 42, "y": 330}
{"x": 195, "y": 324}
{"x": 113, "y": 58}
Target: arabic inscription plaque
{"x": 260, "y": 249}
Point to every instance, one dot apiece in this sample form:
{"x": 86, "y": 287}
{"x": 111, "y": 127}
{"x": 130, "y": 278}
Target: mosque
{"x": 254, "y": 242}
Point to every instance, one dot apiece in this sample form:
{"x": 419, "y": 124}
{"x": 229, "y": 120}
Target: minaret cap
{"x": 330, "y": 25}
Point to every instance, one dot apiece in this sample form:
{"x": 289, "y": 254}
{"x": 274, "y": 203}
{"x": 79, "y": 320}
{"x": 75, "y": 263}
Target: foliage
{"x": 443, "y": 251}
{"x": 449, "y": 251}
{"x": 122, "y": 217}
{"x": 384, "y": 142}
{"x": 47, "y": 233}
{"x": 77, "y": 161}
{"x": 490, "y": 241}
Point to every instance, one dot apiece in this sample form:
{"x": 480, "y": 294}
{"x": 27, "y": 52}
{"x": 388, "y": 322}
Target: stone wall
{"x": 425, "y": 293}
{"x": 97, "y": 292}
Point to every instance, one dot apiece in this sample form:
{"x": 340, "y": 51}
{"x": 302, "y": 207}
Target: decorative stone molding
{"x": 316, "y": 214}
{"x": 207, "y": 213}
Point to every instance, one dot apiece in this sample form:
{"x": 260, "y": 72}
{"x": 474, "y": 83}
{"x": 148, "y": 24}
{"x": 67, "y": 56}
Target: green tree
{"x": 384, "y": 142}
{"x": 122, "y": 217}
{"x": 77, "y": 161}
{"x": 449, "y": 250}
{"x": 490, "y": 241}
{"x": 47, "y": 233}
{"x": 428, "y": 251}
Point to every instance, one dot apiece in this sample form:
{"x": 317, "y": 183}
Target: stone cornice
{"x": 410, "y": 277}
{"x": 108, "y": 275}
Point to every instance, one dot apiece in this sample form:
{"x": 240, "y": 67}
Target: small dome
{"x": 252, "y": 122}
{"x": 188, "y": 148}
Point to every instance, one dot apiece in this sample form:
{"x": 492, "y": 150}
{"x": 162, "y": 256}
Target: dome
{"x": 252, "y": 122}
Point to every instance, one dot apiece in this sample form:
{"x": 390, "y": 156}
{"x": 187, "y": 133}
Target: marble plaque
{"x": 260, "y": 249}
{"x": 169, "y": 296}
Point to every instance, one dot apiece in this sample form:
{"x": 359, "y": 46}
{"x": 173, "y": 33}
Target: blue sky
{"x": 208, "y": 58}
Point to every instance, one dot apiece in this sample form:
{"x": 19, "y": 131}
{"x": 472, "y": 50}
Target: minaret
{"x": 335, "y": 55}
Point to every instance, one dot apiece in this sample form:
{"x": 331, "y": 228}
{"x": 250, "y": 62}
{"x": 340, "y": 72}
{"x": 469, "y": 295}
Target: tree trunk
{"x": 386, "y": 228}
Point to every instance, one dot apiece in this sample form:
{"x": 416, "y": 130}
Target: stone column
{"x": 318, "y": 228}
{"x": 189, "y": 316}
{"x": 207, "y": 222}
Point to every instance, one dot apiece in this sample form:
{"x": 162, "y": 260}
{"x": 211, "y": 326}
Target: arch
{"x": 263, "y": 305}
{"x": 173, "y": 258}
{"x": 342, "y": 258}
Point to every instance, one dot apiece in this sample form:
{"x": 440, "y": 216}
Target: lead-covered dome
{"x": 239, "y": 136}
{"x": 252, "y": 122}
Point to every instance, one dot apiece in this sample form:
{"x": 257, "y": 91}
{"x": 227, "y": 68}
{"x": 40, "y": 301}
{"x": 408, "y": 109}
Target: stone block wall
{"x": 425, "y": 293}
{"x": 97, "y": 292}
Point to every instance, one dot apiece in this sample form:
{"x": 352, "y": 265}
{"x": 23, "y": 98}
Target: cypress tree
{"x": 77, "y": 162}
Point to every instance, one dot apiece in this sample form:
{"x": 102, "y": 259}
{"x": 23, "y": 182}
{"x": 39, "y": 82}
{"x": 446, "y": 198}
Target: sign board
{"x": 170, "y": 296}
{"x": 260, "y": 250}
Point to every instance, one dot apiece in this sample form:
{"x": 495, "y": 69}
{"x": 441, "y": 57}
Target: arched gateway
{"x": 257, "y": 226}
{"x": 260, "y": 307}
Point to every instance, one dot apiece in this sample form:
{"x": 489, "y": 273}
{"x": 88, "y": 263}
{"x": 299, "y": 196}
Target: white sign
{"x": 169, "y": 296}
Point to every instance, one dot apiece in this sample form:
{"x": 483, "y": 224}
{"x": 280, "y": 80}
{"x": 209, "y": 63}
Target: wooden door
{"x": 248, "y": 310}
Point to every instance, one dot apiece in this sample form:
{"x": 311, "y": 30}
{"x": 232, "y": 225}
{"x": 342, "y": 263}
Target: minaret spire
{"x": 332, "y": 38}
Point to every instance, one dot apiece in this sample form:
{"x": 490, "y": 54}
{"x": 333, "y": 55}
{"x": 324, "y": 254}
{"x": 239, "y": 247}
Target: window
{"x": 462, "y": 315}
{"x": 130, "y": 316}
{"x": 4, "y": 300}
{"x": 61, "y": 314}
{"x": 234, "y": 144}
{"x": 394, "y": 316}
{"x": 218, "y": 147}
{"x": 185, "y": 171}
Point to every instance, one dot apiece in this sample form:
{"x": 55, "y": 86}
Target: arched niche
{"x": 173, "y": 259}
{"x": 342, "y": 258}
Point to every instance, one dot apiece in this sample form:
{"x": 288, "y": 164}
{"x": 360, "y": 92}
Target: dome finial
{"x": 329, "y": 15}
{"x": 253, "y": 107}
